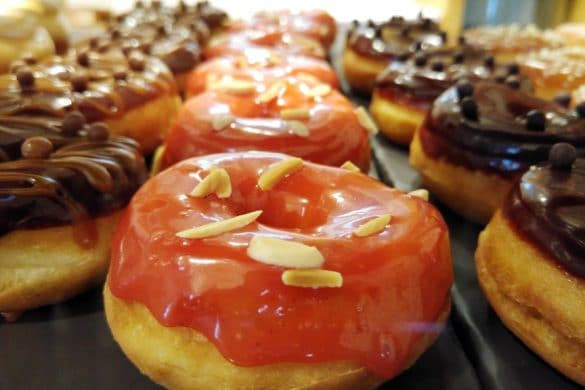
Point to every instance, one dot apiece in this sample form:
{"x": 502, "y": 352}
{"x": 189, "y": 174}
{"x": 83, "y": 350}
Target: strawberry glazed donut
{"x": 293, "y": 116}
{"x": 285, "y": 42}
{"x": 259, "y": 65}
{"x": 258, "y": 270}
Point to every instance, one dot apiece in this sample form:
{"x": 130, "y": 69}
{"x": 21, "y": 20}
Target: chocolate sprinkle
{"x": 36, "y": 148}
{"x": 79, "y": 82}
{"x": 535, "y": 120}
{"x": 513, "y": 68}
{"x": 469, "y": 108}
{"x": 98, "y": 131}
{"x": 437, "y": 66}
{"x": 580, "y": 109}
{"x": 464, "y": 88}
{"x": 562, "y": 155}
{"x": 489, "y": 61}
{"x": 136, "y": 63}
{"x": 83, "y": 59}
{"x": 563, "y": 98}
{"x": 25, "y": 77}
{"x": 73, "y": 122}
{"x": 420, "y": 59}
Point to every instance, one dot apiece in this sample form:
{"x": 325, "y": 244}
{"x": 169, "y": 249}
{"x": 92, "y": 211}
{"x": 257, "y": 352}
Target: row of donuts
{"x": 490, "y": 144}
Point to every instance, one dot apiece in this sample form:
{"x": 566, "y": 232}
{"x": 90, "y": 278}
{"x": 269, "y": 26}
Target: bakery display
{"x": 371, "y": 46}
{"x": 479, "y": 138}
{"x": 272, "y": 272}
{"x": 301, "y": 117}
{"x": 63, "y": 184}
{"x": 530, "y": 261}
{"x": 259, "y": 65}
{"x": 406, "y": 89}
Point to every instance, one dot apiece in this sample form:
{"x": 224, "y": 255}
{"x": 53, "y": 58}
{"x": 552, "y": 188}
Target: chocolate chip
{"x": 535, "y": 120}
{"x": 437, "y": 66}
{"x": 136, "y": 63}
{"x": 161, "y": 30}
{"x": 25, "y": 77}
{"x": 563, "y": 98}
{"x": 127, "y": 49}
{"x": 469, "y": 108}
{"x": 104, "y": 47}
{"x": 120, "y": 74}
{"x": 378, "y": 32}
{"x": 458, "y": 57}
{"x": 83, "y": 58}
{"x": 29, "y": 60}
{"x": 417, "y": 46}
{"x": 489, "y": 61}
{"x": 512, "y": 82}
{"x": 73, "y": 122}
{"x": 562, "y": 155}
{"x": 36, "y": 147}
{"x": 115, "y": 34}
{"x": 146, "y": 47}
{"x": 420, "y": 59}
{"x": 402, "y": 56}
{"x": 98, "y": 131}
{"x": 513, "y": 68}
{"x": 461, "y": 40}
{"x": 580, "y": 109}
{"x": 79, "y": 82}
{"x": 464, "y": 88}
{"x": 94, "y": 42}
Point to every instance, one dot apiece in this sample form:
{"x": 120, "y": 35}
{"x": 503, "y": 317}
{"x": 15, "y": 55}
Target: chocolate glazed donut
{"x": 486, "y": 136}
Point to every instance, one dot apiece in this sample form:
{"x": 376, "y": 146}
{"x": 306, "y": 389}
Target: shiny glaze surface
{"x": 285, "y": 42}
{"x": 81, "y": 179}
{"x": 396, "y": 37}
{"x": 547, "y": 207}
{"x": 335, "y": 133}
{"x": 395, "y": 282}
{"x": 317, "y": 24}
{"x": 259, "y": 65}
{"x": 499, "y": 141}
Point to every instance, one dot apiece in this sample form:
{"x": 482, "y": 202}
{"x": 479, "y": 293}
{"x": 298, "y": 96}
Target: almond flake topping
{"x": 284, "y": 253}
{"x": 373, "y": 226}
{"x": 236, "y": 87}
{"x": 295, "y": 113}
{"x": 221, "y": 121}
{"x": 216, "y": 182}
{"x": 298, "y": 128}
{"x": 366, "y": 120}
{"x": 275, "y": 173}
{"x": 420, "y": 193}
{"x": 157, "y": 160}
{"x": 220, "y": 227}
{"x": 312, "y": 278}
{"x": 307, "y": 77}
{"x": 319, "y": 90}
{"x": 348, "y": 165}
{"x": 272, "y": 92}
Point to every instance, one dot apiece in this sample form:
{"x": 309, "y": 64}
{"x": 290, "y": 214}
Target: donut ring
{"x": 311, "y": 205}
{"x": 303, "y": 118}
{"x": 482, "y": 139}
{"x": 259, "y": 65}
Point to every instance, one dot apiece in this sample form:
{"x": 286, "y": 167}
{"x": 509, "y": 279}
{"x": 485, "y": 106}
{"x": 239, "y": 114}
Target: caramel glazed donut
{"x": 406, "y": 89}
{"x": 258, "y": 270}
{"x": 478, "y": 139}
{"x": 135, "y": 95}
{"x": 62, "y": 186}
{"x": 531, "y": 265}
{"x": 370, "y": 47}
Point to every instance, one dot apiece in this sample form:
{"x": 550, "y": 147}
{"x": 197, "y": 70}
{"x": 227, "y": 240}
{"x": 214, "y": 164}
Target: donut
{"x": 406, "y": 89}
{"x": 235, "y": 43}
{"x": 317, "y": 24}
{"x": 553, "y": 71}
{"x": 571, "y": 34}
{"x": 370, "y": 47}
{"x": 62, "y": 189}
{"x": 260, "y": 65}
{"x": 21, "y": 36}
{"x": 530, "y": 261}
{"x": 479, "y": 138}
{"x": 303, "y": 276}
{"x": 135, "y": 95}
{"x": 300, "y": 117}
{"x": 506, "y": 42}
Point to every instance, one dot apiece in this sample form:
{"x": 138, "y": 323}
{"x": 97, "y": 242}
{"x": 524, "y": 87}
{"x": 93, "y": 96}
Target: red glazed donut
{"x": 298, "y": 117}
{"x": 284, "y": 42}
{"x": 259, "y": 65}
{"x": 233, "y": 308}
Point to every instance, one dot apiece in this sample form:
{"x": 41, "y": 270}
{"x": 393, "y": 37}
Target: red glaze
{"x": 335, "y": 132}
{"x": 261, "y": 65}
{"x": 316, "y": 24}
{"x": 396, "y": 282}
{"x": 284, "y": 42}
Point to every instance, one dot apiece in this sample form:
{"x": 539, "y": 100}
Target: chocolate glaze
{"x": 395, "y": 37}
{"x": 498, "y": 141}
{"x": 547, "y": 207}
{"x": 422, "y": 84}
{"x": 80, "y": 179}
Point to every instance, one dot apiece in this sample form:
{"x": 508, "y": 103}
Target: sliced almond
{"x": 319, "y": 90}
{"x": 312, "y": 278}
{"x": 298, "y": 128}
{"x": 307, "y": 77}
{"x": 220, "y": 227}
{"x": 373, "y": 226}
{"x": 295, "y": 113}
{"x": 421, "y": 193}
{"x": 221, "y": 121}
{"x": 350, "y": 166}
{"x": 216, "y": 182}
{"x": 236, "y": 87}
{"x": 271, "y": 93}
{"x": 366, "y": 120}
{"x": 275, "y": 173}
{"x": 157, "y": 160}
{"x": 284, "y": 253}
